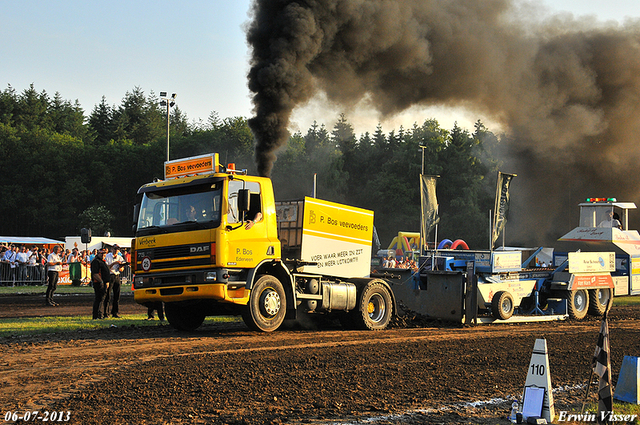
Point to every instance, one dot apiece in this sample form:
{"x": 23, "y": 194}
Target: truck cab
{"x": 604, "y": 226}
{"x": 198, "y": 233}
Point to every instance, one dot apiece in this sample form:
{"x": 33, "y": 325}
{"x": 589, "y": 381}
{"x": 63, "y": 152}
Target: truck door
{"x": 247, "y": 243}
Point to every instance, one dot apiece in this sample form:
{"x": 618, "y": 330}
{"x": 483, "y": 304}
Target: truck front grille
{"x": 174, "y": 257}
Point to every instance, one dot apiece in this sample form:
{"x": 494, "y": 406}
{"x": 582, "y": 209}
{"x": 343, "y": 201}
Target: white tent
{"x": 96, "y": 242}
{"x": 26, "y": 240}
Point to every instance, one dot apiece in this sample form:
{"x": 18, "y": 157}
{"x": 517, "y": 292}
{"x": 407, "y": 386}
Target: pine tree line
{"x": 64, "y": 170}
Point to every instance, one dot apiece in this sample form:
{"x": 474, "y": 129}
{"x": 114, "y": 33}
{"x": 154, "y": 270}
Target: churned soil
{"x": 417, "y": 372}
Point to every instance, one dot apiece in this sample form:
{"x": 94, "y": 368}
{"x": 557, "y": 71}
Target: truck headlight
{"x": 138, "y": 281}
{"x": 210, "y": 276}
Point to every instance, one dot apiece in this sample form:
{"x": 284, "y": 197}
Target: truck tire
{"x": 599, "y": 300}
{"x": 183, "y": 318}
{"x": 577, "y": 303}
{"x": 374, "y": 308}
{"x": 502, "y": 305}
{"x": 267, "y": 305}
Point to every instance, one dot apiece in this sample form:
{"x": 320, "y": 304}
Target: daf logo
{"x": 196, "y": 249}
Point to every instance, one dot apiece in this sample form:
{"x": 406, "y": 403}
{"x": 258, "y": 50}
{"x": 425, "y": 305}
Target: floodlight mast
{"x": 168, "y": 102}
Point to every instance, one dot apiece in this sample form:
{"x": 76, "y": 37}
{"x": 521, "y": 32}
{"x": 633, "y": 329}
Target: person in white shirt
{"x": 610, "y": 221}
{"x": 34, "y": 271}
{"x": 115, "y": 261}
{"x": 22, "y": 258}
{"x": 54, "y": 267}
{"x": 10, "y": 257}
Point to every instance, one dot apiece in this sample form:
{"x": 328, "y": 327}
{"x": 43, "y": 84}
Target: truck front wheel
{"x": 599, "y": 300}
{"x": 578, "y": 304}
{"x": 374, "y": 307}
{"x": 502, "y": 305}
{"x": 267, "y": 305}
{"x": 183, "y": 318}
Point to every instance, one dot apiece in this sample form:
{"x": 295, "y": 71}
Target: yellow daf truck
{"x": 212, "y": 240}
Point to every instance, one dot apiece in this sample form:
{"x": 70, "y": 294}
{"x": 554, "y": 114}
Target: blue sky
{"x": 87, "y": 49}
{"x": 196, "y": 48}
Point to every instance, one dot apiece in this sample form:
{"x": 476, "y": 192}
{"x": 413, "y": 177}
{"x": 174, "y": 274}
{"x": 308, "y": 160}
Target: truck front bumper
{"x": 233, "y": 292}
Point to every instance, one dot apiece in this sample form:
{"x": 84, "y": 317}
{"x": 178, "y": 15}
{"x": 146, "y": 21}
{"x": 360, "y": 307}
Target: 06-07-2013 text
{"x": 36, "y": 415}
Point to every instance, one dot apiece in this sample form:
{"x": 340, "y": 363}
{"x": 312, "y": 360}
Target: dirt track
{"x": 226, "y": 374}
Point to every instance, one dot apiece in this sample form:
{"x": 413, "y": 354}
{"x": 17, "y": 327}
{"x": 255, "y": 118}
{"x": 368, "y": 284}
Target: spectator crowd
{"x": 27, "y": 265}
{"x": 399, "y": 262}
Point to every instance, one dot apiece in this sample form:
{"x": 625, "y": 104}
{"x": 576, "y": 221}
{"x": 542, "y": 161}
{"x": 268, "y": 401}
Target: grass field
{"x": 41, "y": 325}
{"x": 14, "y": 327}
{"x": 626, "y": 301}
{"x": 11, "y": 328}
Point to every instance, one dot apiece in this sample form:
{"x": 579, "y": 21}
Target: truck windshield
{"x": 181, "y": 208}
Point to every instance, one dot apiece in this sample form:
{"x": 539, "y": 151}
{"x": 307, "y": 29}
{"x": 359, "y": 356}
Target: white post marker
{"x": 538, "y": 377}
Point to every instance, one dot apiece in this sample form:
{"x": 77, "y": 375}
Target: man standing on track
{"x": 100, "y": 280}
{"x": 54, "y": 267}
{"x": 114, "y": 260}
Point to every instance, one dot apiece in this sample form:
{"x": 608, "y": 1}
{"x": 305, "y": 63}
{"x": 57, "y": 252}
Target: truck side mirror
{"x": 243, "y": 200}
{"x": 136, "y": 212}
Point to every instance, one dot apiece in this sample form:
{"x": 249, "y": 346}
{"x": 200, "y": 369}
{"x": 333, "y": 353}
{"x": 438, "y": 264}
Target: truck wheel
{"x": 502, "y": 305}
{"x": 183, "y": 318}
{"x": 599, "y": 300}
{"x": 373, "y": 311}
{"x": 267, "y": 305}
{"x": 578, "y": 304}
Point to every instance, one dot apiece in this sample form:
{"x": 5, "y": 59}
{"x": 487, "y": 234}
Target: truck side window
{"x": 255, "y": 202}
{"x": 255, "y": 210}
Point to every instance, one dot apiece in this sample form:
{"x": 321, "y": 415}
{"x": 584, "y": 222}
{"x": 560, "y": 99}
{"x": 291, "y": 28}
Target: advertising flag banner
{"x": 429, "y": 204}
{"x": 502, "y": 205}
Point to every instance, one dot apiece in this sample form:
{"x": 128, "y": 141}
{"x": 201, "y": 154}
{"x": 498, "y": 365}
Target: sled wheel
{"x": 599, "y": 300}
{"x": 374, "y": 307}
{"x": 267, "y": 305}
{"x": 502, "y": 305}
{"x": 578, "y": 304}
{"x": 183, "y": 318}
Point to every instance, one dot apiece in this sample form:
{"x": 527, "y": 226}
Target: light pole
{"x": 168, "y": 102}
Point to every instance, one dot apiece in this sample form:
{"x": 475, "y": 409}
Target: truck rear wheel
{"x": 599, "y": 300}
{"x": 267, "y": 305}
{"x": 502, "y": 305}
{"x": 183, "y": 318}
{"x": 578, "y": 304}
{"x": 374, "y": 308}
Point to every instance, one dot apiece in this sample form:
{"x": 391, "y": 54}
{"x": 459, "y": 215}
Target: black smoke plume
{"x": 566, "y": 91}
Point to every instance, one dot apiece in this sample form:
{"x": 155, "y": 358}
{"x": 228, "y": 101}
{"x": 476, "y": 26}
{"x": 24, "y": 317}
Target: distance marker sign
{"x": 338, "y": 238}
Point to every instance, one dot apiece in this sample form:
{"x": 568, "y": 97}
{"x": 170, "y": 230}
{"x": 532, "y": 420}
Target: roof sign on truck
{"x": 201, "y": 164}
{"x": 338, "y": 238}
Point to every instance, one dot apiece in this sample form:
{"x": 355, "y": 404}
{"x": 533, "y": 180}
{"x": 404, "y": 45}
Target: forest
{"x": 64, "y": 169}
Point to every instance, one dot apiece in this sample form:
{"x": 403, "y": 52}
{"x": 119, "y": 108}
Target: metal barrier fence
{"x": 36, "y": 275}
{"x": 21, "y": 275}
{"x": 126, "y": 276}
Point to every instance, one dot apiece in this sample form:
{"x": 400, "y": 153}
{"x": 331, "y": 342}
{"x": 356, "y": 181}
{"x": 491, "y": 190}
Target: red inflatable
{"x": 459, "y": 243}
